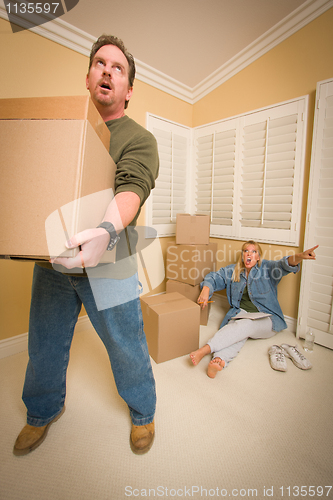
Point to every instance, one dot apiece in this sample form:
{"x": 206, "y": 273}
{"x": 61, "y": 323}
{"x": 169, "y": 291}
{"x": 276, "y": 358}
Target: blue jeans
{"x": 55, "y": 305}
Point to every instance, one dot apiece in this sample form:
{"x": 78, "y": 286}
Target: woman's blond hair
{"x": 239, "y": 267}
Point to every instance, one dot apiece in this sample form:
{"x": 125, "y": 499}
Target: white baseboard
{"x": 13, "y": 345}
{"x": 291, "y": 322}
{"x": 19, "y": 343}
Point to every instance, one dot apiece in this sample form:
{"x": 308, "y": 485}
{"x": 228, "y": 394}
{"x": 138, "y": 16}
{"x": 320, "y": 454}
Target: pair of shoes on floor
{"x": 278, "y": 354}
{"x": 142, "y": 438}
{"x": 31, "y": 437}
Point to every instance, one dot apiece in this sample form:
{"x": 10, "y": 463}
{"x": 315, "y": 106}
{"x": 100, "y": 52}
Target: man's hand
{"x": 121, "y": 211}
{"x": 93, "y": 243}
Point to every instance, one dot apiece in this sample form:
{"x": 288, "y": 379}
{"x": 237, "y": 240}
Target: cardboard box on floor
{"x": 190, "y": 263}
{"x": 171, "y": 324}
{"x": 192, "y": 229}
{"x": 191, "y": 292}
{"x": 57, "y": 176}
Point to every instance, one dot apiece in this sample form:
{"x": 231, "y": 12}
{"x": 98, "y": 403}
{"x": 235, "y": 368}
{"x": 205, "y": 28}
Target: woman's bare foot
{"x": 196, "y": 356}
{"x": 215, "y": 365}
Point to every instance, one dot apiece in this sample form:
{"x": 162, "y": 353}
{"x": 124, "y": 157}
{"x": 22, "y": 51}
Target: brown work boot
{"x": 31, "y": 437}
{"x": 142, "y": 437}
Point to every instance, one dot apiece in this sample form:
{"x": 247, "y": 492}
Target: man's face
{"x": 107, "y": 79}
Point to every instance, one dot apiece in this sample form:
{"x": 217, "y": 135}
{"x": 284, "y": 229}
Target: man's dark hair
{"x": 113, "y": 40}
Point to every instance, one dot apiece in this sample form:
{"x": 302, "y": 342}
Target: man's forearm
{"x": 122, "y": 210}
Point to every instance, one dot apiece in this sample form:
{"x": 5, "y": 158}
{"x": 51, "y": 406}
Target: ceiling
{"x": 183, "y": 47}
{"x": 187, "y": 40}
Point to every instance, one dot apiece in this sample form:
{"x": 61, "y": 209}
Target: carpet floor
{"x": 251, "y": 432}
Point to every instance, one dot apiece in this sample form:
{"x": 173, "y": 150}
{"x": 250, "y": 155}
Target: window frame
{"x": 235, "y": 230}
{"x": 168, "y": 228}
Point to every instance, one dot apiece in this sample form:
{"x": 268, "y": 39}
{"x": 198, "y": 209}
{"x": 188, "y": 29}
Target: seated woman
{"x": 251, "y": 286}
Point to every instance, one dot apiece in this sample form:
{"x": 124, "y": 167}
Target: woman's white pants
{"x": 228, "y": 341}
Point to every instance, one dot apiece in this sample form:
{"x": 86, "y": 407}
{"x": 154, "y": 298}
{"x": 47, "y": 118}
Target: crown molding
{"x": 75, "y": 39}
{"x": 299, "y": 18}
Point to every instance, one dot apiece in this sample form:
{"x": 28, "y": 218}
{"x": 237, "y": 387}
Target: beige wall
{"x": 292, "y": 69}
{"x": 289, "y": 70}
{"x": 34, "y": 66}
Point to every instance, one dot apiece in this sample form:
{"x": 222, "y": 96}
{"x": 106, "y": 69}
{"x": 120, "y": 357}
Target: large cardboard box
{"x": 190, "y": 263}
{"x": 192, "y": 229}
{"x": 172, "y": 325}
{"x": 191, "y": 292}
{"x": 57, "y": 176}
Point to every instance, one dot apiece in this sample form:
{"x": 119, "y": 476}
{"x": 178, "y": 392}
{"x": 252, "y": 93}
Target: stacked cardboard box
{"x": 190, "y": 258}
{"x": 192, "y": 229}
{"x": 172, "y": 320}
{"x": 172, "y": 325}
{"x": 192, "y": 293}
{"x": 57, "y": 176}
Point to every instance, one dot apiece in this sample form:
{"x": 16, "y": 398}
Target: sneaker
{"x": 296, "y": 356}
{"x": 277, "y": 358}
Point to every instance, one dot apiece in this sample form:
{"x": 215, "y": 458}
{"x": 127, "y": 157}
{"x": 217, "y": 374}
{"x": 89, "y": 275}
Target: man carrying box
{"x": 58, "y": 294}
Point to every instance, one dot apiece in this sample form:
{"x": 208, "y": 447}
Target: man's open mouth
{"x": 106, "y": 86}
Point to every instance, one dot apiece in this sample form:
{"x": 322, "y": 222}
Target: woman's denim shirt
{"x": 261, "y": 283}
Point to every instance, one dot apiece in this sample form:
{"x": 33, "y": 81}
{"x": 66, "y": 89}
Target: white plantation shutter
{"x": 273, "y": 142}
{"x": 247, "y": 174}
{"x": 204, "y": 174}
{"x": 316, "y": 294}
{"x": 215, "y": 160}
{"x": 180, "y": 152}
{"x": 163, "y": 186}
{"x": 169, "y": 196}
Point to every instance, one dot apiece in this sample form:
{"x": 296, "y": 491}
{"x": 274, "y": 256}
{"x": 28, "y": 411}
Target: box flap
{"x": 56, "y": 108}
{"x": 164, "y": 303}
{"x": 44, "y": 108}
